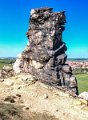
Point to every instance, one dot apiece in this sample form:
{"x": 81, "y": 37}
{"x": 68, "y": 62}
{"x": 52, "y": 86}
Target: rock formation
{"x": 44, "y": 56}
{"x": 6, "y": 71}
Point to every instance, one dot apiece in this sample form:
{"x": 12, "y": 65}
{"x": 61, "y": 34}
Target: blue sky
{"x": 14, "y": 21}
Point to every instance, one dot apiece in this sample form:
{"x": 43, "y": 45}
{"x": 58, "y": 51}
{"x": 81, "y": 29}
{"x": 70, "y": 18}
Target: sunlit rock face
{"x": 45, "y": 56}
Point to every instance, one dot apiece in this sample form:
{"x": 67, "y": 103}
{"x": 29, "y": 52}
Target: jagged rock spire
{"x": 44, "y": 56}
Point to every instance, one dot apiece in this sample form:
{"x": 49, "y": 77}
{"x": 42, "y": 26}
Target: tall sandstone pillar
{"x": 44, "y": 57}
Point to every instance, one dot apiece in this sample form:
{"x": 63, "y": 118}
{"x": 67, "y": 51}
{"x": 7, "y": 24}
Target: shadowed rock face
{"x": 44, "y": 57}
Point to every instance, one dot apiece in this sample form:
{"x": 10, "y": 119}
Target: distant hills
{"x": 71, "y": 59}
{"x": 7, "y": 57}
{"x": 78, "y": 59}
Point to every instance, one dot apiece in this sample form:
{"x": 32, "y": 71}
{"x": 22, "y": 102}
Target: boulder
{"x": 8, "y": 82}
{"x": 83, "y": 95}
{"x": 17, "y": 67}
{"x": 6, "y": 71}
{"x": 7, "y": 68}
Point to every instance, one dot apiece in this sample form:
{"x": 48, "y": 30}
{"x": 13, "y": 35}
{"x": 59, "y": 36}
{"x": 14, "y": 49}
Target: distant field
{"x": 82, "y": 82}
{"x": 5, "y": 62}
{"x": 2, "y": 64}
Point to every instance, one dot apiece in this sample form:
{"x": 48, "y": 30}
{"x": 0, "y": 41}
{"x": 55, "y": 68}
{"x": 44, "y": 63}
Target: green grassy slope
{"x": 5, "y": 62}
{"x": 82, "y": 82}
{"x": 2, "y": 64}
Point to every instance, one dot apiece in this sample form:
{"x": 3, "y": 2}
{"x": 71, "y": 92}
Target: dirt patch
{"x": 11, "y": 112}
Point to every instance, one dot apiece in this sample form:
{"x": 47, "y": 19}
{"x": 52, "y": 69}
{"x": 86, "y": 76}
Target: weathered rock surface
{"x": 45, "y": 56}
{"x": 83, "y": 95}
{"x": 6, "y": 71}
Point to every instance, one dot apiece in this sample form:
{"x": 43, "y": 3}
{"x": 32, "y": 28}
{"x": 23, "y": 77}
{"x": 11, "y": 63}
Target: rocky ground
{"x": 22, "y": 97}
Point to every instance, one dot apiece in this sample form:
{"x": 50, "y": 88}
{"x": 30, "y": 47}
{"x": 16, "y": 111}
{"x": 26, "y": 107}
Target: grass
{"x": 82, "y": 82}
{"x": 5, "y": 62}
{"x": 2, "y": 64}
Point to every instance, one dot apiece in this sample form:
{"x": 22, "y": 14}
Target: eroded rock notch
{"x": 44, "y": 56}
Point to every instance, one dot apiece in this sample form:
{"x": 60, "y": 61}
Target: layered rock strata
{"x": 44, "y": 56}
